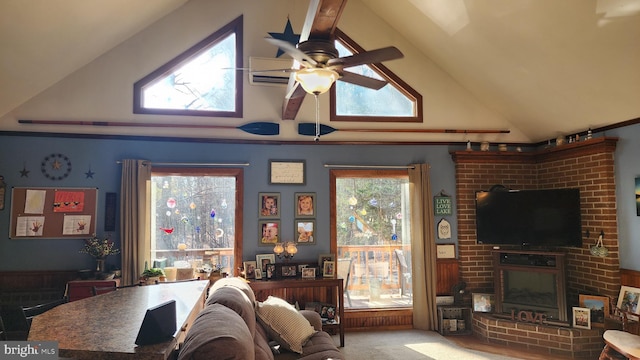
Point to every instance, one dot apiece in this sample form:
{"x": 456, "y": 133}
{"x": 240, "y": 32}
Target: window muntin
{"x": 372, "y": 220}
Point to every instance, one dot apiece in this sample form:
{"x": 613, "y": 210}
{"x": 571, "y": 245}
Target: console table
{"x": 106, "y": 326}
{"x": 328, "y": 290}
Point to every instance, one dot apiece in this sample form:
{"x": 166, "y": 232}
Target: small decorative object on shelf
{"x": 502, "y": 147}
{"x": 484, "y": 146}
{"x": 559, "y": 140}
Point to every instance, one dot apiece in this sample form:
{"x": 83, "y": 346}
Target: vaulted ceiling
{"x": 546, "y": 67}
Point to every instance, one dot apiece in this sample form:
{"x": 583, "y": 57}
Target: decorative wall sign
{"x": 442, "y": 204}
{"x": 287, "y": 172}
{"x": 446, "y": 251}
{"x": 444, "y": 229}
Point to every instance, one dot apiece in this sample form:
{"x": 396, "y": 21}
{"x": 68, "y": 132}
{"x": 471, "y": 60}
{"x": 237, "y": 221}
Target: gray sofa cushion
{"x": 218, "y": 332}
{"x": 236, "y": 300}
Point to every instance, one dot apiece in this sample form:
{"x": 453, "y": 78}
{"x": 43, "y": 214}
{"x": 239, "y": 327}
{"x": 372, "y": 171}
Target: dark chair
{"x": 102, "y": 290}
{"x": 625, "y": 343}
{"x": 18, "y": 318}
{"x": 404, "y": 275}
{"x": 344, "y": 272}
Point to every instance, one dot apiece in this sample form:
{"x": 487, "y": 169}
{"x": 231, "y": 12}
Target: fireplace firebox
{"x": 530, "y": 281}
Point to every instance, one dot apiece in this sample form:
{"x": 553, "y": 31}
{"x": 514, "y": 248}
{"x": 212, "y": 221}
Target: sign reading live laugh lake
{"x": 20, "y": 350}
{"x": 442, "y": 205}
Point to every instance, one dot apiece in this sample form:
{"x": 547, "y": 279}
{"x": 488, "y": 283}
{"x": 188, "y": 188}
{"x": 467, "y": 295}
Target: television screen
{"x": 536, "y": 218}
{"x": 159, "y": 324}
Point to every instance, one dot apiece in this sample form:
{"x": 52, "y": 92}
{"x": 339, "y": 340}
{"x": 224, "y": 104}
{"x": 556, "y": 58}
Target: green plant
{"x": 153, "y": 272}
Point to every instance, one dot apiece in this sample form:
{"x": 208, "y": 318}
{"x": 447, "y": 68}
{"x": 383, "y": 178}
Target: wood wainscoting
{"x": 630, "y": 278}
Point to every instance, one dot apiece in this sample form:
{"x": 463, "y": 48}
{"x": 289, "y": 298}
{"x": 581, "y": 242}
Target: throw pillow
{"x": 284, "y": 323}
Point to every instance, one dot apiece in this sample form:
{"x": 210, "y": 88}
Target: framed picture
{"x": 446, "y": 251}
{"x": 599, "y": 307}
{"x": 305, "y": 232}
{"x": 581, "y": 318}
{"x": 309, "y": 273}
{"x": 249, "y": 269}
{"x": 270, "y": 271}
{"x": 289, "y": 270}
{"x": 305, "y": 204}
{"x": 325, "y": 257}
{"x": 302, "y": 266}
{"x": 269, "y": 231}
{"x": 329, "y": 269}
{"x": 628, "y": 300}
{"x": 263, "y": 259}
{"x": 287, "y": 172}
{"x": 269, "y": 204}
{"x": 258, "y": 274}
{"x": 483, "y": 302}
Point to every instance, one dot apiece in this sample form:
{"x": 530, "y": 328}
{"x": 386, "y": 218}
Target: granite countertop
{"x": 106, "y": 326}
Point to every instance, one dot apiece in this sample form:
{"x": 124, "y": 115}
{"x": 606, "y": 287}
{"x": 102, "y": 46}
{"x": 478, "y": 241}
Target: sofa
{"x": 233, "y": 325}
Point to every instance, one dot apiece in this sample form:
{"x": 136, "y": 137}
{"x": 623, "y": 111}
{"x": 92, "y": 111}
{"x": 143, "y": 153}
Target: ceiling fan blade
{"x": 357, "y": 79}
{"x": 367, "y": 57}
{"x": 294, "y": 52}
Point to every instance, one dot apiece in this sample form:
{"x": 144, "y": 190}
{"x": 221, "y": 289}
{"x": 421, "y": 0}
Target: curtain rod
{"x": 371, "y": 166}
{"x": 193, "y": 164}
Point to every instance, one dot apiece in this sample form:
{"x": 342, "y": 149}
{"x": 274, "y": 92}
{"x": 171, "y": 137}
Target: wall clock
{"x": 56, "y": 166}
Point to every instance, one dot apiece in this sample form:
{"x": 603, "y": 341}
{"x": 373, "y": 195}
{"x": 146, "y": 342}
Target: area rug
{"x": 408, "y": 345}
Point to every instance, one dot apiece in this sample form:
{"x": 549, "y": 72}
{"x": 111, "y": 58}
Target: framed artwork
{"x": 302, "y": 266}
{"x": 263, "y": 260}
{"x": 289, "y": 270}
{"x": 305, "y": 204}
{"x": 628, "y": 300}
{"x": 329, "y": 269}
{"x": 258, "y": 274}
{"x": 287, "y": 172}
{"x": 309, "y": 273}
{"x": 599, "y": 307}
{"x": 446, "y": 251}
{"x": 269, "y": 204}
{"x": 249, "y": 269}
{"x": 305, "y": 232}
{"x": 482, "y": 302}
{"x": 270, "y": 271}
{"x": 325, "y": 257}
{"x": 581, "y": 318}
{"x": 269, "y": 231}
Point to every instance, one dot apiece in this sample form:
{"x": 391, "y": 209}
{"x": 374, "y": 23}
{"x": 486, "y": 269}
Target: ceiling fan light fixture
{"x": 317, "y": 80}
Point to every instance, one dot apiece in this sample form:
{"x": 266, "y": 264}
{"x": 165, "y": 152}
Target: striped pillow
{"x": 284, "y": 323}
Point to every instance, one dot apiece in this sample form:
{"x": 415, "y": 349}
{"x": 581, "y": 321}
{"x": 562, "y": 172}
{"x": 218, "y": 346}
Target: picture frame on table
{"x": 308, "y": 273}
{"x": 258, "y": 274}
{"x": 599, "y": 307}
{"x": 269, "y": 232}
{"x": 269, "y": 205}
{"x": 249, "y": 269}
{"x": 483, "y": 302}
{"x": 329, "y": 269}
{"x": 270, "y": 271}
{"x": 628, "y": 301}
{"x": 263, "y": 259}
{"x": 325, "y": 257}
{"x": 305, "y": 231}
{"x": 581, "y": 317}
{"x": 289, "y": 271}
{"x": 305, "y": 204}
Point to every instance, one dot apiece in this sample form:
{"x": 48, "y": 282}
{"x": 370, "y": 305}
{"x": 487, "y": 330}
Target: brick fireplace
{"x": 587, "y": 165}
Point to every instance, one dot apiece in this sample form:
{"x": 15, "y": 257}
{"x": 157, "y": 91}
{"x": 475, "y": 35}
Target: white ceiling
{"x": 547, "y": 66}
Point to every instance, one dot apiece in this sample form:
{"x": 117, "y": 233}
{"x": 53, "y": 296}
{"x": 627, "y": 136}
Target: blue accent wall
{"x": 101, "y": 156}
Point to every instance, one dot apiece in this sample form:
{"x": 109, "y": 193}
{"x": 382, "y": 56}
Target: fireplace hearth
{"x": 532, "y": 281}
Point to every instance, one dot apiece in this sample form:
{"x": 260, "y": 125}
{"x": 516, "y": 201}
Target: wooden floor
{"x": 472, "y": 342}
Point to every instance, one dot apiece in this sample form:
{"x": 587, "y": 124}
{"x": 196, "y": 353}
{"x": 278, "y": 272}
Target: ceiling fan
{"x": 319, "y": 58}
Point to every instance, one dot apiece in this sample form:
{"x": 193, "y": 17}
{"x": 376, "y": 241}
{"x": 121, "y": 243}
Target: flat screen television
{"x": 529, "y": 218}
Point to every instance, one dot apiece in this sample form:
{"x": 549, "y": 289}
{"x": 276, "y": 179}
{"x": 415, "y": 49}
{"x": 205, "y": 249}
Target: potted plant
{"x": 152, "y": 275}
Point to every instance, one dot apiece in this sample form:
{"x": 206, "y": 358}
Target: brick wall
{"x": 587, "y": 165}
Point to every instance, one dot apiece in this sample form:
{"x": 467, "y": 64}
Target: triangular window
{"x": 395, "y": 102}
{"x": 201, "y": 81}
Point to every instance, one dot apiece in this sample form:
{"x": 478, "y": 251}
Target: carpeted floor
{"x": 408, "y": 345}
